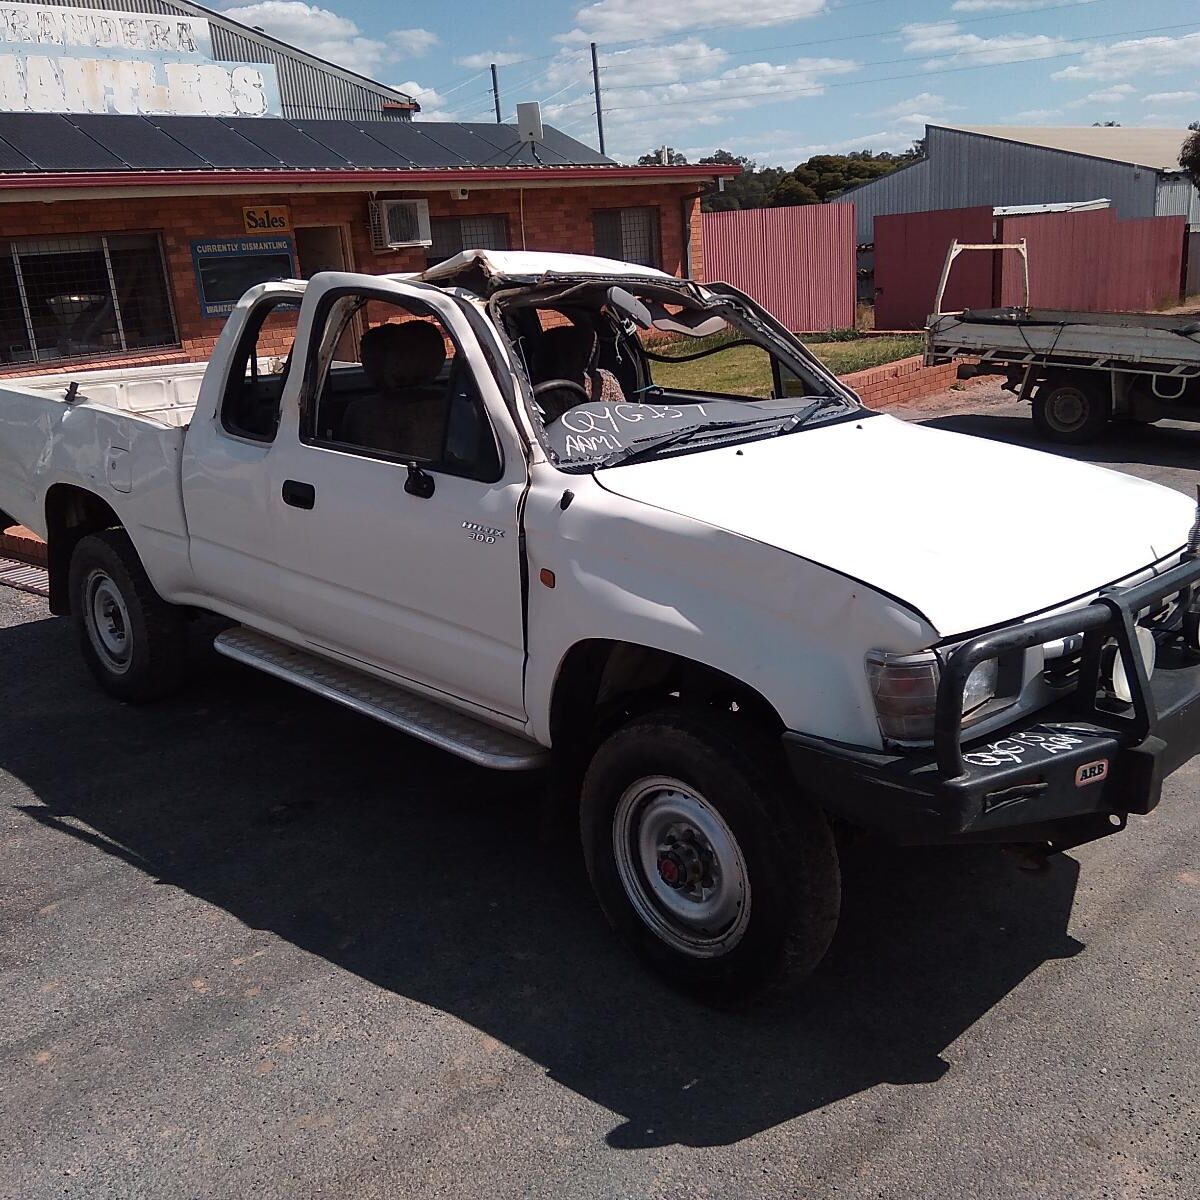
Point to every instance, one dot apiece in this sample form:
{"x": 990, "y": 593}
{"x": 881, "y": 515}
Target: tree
{"x": 791, "y": 191}
{"x": 654, "y": 159}
{"x": 1106, "y": 124}
{"x": 1189, "y": 157}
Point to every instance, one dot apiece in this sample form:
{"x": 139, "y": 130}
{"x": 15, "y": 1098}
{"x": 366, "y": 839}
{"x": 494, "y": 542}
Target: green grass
{"x": 746, "y": 370}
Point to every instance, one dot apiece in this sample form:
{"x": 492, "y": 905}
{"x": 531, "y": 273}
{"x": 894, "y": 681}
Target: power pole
{"x": 496, "y": 92}
{"x": 596, "y": 88}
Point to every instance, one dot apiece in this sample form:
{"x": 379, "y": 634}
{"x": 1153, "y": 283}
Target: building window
{"x": 76, "y": 297}
{"x": 628, "y": 234}
{"x": 453, "y": 235}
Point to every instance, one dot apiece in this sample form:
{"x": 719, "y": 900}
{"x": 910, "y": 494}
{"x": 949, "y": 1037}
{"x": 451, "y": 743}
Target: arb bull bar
{"x": 1064, "y": 775}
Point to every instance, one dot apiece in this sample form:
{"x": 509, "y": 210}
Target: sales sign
{"x": 265, "y": 218}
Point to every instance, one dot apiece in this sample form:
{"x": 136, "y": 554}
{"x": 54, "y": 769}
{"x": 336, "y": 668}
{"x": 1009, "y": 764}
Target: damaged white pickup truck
{"x": 546, "y": 510}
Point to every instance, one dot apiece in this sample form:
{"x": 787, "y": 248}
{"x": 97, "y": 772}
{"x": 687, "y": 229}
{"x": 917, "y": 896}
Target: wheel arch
{"x": 72, "y": 513}
{"x": 600, "y": 681}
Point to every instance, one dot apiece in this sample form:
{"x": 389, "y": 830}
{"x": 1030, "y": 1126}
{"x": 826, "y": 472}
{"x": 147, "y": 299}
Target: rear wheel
{"x": 1071, "y": 409}
{"x": 702, "y": 855}
{"x": 134, "y": 642}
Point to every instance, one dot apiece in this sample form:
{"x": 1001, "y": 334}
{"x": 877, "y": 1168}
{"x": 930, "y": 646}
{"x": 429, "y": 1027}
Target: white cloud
{"x": 432, "y": 102}
{"x": 630, "y": 20}
{"x": 1141, "y": 56}
{"x": 1037, "y": 116}
{"x": 1117, "y": 94}
{"x": 327, "y": 35}
{"x": 502, "y": 58}
{"x": 951, "y": 46}
{"x": 412, "y": 42}
{"x": 769, "y": 153}
{"x": 923, "y": 109}
{"x": 1170, "y": 97}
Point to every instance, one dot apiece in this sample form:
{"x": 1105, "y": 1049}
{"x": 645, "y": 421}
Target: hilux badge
{"x": 482, "y": 533}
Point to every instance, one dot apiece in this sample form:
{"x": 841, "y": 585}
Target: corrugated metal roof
{"x": 1033, "y": 210}
{"x": 1155, "y": 148}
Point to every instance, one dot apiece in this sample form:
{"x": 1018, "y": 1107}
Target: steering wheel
{"x": 561, "y": 385}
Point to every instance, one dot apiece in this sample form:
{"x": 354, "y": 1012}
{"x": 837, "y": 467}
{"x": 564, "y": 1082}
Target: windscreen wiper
{"x": 797, "y": 419}
{"x": 662, "y": 441}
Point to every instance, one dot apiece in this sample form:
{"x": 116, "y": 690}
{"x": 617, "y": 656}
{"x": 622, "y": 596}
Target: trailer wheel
{"x": 1071, "y": 410}
{"x": 134, "y": 642}
{"x": 705, "y": 858}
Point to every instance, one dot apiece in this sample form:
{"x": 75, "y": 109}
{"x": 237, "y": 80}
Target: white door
{"x": 226, "y": 473}
{"x": 396, "y": 485}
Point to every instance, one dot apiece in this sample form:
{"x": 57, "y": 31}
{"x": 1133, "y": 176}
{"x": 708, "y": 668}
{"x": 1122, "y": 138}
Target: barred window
{"x": 73, "y": 297}
{"x": 453, "y": 235}
{"x": 628, "y": 234}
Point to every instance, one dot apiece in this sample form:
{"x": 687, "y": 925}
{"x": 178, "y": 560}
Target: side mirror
{"x": 629, "y": 307}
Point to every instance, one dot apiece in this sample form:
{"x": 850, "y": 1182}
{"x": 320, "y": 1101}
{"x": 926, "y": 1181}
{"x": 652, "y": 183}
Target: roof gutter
{"x": 50, "y": 185}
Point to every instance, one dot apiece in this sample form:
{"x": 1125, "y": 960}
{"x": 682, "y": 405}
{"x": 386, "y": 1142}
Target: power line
{"x": 848, "y": 37}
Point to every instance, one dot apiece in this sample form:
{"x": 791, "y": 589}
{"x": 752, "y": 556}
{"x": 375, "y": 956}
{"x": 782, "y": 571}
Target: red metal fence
{"x": 910, "y": 249}
{"x": 1088, "y": 260}
{"x": 797, "y": 262}
{"x": 1092, "y": 261}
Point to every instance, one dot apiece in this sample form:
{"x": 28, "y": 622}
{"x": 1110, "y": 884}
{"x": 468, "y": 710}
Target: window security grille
{"x": 453, "y": 235}
{"x": 76, "y": 297}
{"x": 628, "y": 234}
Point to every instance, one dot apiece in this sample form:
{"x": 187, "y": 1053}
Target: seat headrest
{"x": 402, "y": 354}
{"x": 566, "y": 352}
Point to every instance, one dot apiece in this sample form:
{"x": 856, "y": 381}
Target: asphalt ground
{"x": 252, "y": 945}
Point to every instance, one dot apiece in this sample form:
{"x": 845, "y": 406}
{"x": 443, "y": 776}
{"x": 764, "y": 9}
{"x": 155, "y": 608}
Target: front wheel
{"x": 1070, "y": 410}
{"x": 703, "y": 856}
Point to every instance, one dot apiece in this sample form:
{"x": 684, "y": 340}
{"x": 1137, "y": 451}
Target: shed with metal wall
{"x": 1136, "y": 169}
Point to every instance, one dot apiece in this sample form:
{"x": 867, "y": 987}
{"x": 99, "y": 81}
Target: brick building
{"x": 142, "y": 189}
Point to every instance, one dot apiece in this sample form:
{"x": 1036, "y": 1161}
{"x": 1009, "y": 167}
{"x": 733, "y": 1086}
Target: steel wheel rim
{"x": 681, "y": 867}
{"x": 1067, "y": 409}
{"x": 106, "y": 617}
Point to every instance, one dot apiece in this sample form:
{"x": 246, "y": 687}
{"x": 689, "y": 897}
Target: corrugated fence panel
{"x": 1094, "y": 262}
{"x": 910, "y": 250}
{"x": 797, "y": 262}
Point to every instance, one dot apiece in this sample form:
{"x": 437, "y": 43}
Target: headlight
{"x": 1146, "y": 646}
{"x": 904, "y": 687}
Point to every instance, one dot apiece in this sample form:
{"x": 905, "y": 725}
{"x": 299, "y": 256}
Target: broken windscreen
{"x": 621, "y": 373}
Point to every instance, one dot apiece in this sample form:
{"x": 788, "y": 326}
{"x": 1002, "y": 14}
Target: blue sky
{"x": 777, "y": 80}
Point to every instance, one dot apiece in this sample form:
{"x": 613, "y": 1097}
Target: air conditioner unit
{"x": 397, "y": 223}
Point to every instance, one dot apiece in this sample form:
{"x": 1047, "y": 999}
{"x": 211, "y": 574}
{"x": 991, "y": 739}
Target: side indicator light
{"x": 547, "y": 577}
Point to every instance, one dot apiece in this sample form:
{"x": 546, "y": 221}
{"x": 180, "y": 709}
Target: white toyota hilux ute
{"x": 555, "y": 511}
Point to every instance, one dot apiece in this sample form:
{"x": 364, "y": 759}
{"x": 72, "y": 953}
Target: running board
{"x": 415, "y": 715}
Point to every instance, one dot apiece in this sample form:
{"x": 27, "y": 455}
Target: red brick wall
{"x": 553, "y": 219}
{"x": 902, "y": 382}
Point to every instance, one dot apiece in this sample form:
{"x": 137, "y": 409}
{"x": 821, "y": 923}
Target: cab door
{"x": 399, "y": 550}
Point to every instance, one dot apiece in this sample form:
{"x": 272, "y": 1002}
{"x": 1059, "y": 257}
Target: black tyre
{"x": 1072, "y": 409}
{"x": 704, "y": 857}
{"x": 134, "y": 642}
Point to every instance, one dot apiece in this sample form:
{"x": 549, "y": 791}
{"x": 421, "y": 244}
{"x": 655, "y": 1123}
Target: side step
{"x": 416, "y": 715}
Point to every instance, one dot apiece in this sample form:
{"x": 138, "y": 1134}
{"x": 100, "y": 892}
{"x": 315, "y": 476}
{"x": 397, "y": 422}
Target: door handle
{"x": 299, "y": 495}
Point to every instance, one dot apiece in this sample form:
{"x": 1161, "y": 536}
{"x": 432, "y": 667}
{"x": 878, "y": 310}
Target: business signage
{"x": 266, "y": 218}
{"x": 57, "y": 58}
{"x": 228, "y": 267}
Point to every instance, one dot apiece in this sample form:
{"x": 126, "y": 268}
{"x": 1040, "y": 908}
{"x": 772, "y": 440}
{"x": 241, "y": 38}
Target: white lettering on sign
{"x": 94, "y": 29}
{"x": 78, "y": 60}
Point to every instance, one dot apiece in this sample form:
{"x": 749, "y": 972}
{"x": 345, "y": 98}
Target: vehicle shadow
{"x": 1170, "y": 444}
{"x": 428, "y": 878}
